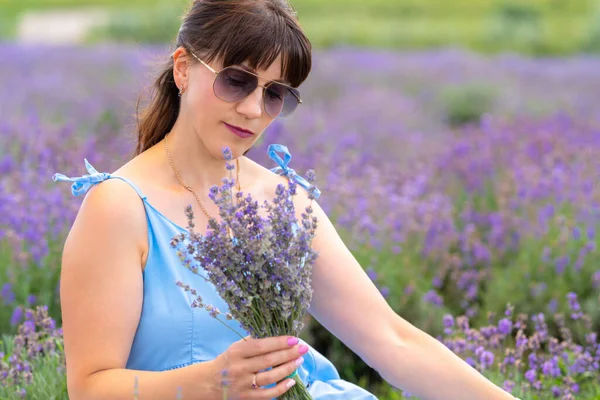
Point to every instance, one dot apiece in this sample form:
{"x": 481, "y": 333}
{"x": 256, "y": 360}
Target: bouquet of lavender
{"x": 260, "y": 266}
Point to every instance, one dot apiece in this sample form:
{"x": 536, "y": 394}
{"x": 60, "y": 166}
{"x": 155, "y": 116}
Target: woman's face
{"x": 208, "y": 115}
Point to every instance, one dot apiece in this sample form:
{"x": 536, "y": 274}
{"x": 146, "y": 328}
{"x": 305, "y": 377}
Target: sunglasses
{"x": 233, "y": 84}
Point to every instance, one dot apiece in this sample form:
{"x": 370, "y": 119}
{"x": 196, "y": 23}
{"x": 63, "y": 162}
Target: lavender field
{"x": 467, "y": 186}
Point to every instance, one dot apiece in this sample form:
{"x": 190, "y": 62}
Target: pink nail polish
{"x": 293, "y": 341}
{"x": 303, "y": 349}
{"x": 291, "y": 383}
{"x": 299, "y": 361}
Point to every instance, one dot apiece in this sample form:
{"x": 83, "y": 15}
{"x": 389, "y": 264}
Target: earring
{"x": 181, "y": 90}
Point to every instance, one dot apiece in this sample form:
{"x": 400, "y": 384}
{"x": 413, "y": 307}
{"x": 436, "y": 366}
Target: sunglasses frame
{"x": 293, "y": 91}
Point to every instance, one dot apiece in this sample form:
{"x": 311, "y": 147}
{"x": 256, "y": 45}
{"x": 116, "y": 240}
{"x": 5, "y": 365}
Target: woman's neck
{"x": 196, "y": 165}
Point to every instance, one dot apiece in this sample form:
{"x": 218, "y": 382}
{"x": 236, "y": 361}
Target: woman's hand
{"x": 239, "y": 366}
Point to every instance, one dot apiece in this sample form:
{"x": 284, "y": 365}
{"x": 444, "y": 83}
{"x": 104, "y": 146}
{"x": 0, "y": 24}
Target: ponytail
{"x": 159, "y": 117}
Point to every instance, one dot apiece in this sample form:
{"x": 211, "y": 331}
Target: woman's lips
{"x": 240, "y": 132}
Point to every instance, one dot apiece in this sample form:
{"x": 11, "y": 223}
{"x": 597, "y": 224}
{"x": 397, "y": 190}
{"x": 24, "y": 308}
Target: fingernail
{"x": 290, "y": 383}
{"x": 303, "y": 349}
{"x": 299, "y": 361}
{"x": 293, "y": 341}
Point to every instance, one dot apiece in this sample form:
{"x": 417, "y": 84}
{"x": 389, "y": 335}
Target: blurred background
{"x": 456, "y": 144}
{"x": 536, "y": 27}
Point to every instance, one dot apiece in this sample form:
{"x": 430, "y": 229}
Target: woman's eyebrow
{"x": 247, "y": 68}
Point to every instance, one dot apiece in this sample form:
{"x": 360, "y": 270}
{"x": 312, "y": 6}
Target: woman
{"x": 236, "y": 68}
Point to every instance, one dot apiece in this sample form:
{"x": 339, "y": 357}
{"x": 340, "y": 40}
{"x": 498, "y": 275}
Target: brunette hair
{"x": 232, "y": 31}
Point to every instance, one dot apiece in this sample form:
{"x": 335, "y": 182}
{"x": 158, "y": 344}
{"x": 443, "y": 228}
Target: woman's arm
{"x": 349, "y": 305}
{"x": 101, "y": 295}
{"x": 193, "y": 382}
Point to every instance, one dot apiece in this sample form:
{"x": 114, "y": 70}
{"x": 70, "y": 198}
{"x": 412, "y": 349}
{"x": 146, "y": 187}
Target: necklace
{"x": 237, "y": 178}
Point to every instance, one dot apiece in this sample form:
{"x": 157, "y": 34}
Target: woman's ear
{"x": 181, "y": 64}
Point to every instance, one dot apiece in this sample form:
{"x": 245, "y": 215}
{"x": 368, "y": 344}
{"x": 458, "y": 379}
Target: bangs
{"x": 256, "y": 33}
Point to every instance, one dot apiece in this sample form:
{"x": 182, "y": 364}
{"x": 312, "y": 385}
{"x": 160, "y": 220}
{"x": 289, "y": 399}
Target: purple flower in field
{"x": 505, "y": 326}
{"x": 385, "y": 291}
{"x": 575, "y": 388}
{"x": 574, "y": 306}
{"x": 530, "y": 375}
{"x": 522, "y": 341}
{"x": 546, "y": 254}
{"x": 576, "y": 233}
{"x": 372, "y": 274}
{"x": 433, "y": 297}
{"x": 462, "y": 323}
{"x": 556, "y": 392}
{"x": 448, "y": 322}
{"x": 508, "y": 386}
{"x": 553, "y": 305}
{"x": 486, "y": 359}
{"x": 596, "y": 279}
{"x": 17, "y": 316}
{"x": 591, "y": 232}
{"x": 533, "y": 360}
{"x": 590, "y": 246}
{"x": 591, "y": 338}
{"x": 561, "y": 264}
{"x": 8, "y": 296}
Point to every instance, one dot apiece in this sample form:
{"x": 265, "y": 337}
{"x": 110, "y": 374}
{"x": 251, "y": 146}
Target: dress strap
{"x": 82, "y": 184}
{"x": 283, "y": 168}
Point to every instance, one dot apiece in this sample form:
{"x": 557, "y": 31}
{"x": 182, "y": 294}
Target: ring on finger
{"x": 254, "y": 384}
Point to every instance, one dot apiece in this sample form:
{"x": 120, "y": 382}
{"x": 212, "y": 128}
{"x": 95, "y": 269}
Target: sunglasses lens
{"x": 234, "y": 84}
{"x": 280, "y": 100}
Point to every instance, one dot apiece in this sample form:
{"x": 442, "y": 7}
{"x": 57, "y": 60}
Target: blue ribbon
{"x": 83, "y": 183}
{"x": 283, "y": 168}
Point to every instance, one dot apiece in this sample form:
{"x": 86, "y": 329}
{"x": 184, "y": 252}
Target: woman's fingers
{"x": 275, "y": 391}
{"x": 255, "y": 347}
{"x": 279, "y": 373}
{"x": 275, "y": 358}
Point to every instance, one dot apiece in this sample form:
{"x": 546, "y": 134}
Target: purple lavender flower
{"x": 530, "y": 375}
{"x": 6, "y": 294}
{"x": 385, "y": 291}
{"x": 574, "y": 306}
{"x": 372, "y": 274}
{"x": 508, "y": 386}
{"x": 17, "y": 316}
{"x": 433, "y": 297}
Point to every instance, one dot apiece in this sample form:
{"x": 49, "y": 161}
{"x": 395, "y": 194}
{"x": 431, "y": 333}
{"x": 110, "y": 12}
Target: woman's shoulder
{"x": 267, "y": 179}
{"x": 114, "y": 201}
{"x": 114, "y": 206}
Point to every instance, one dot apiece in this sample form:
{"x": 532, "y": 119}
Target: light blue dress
{"x": 171, "y": 334}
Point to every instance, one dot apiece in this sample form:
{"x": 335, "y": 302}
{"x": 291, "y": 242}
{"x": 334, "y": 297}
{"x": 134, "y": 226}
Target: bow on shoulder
{"x": 283, "y": 169}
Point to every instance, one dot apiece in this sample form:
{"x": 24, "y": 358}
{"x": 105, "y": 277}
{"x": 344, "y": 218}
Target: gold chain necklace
{"x": 237, "y": 178}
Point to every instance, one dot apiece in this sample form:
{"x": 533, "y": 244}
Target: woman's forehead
{"x": 272, "y": 73}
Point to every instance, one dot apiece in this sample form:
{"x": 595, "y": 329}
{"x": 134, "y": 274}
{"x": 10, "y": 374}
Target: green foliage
{"x": 154, "y": 25}
{"x": 466, "y": 103}
{"x": 536, "y": 27}
{"x": 42, "y": 282}
{"x": 49, "y": 378}
{"x": 592, "y": 40}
